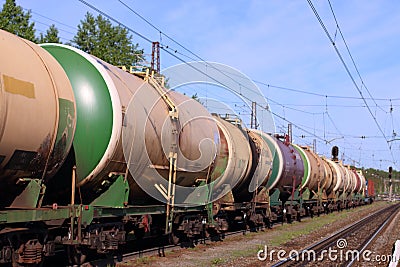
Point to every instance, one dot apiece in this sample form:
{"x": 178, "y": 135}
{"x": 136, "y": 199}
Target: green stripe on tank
{"x": 275, "y": 163}
{"x": 305, "y": 163}
{"x": 94, "y": 109}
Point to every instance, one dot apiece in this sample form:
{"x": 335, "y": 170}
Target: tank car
{"x": 246, "y": 201}
{"x": 37, "y": 120}
{"x": 314, "y": 181}
{"x": 286, "y": 176}
{"x": 369, "y": 191}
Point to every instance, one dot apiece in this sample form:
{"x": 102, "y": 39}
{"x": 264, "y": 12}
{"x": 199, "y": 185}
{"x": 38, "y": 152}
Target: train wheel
{"x": 76, "y": 255}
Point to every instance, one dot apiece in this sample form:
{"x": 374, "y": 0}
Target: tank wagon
{"x": 92, "y": 155}
{"x": 369, "y": 191}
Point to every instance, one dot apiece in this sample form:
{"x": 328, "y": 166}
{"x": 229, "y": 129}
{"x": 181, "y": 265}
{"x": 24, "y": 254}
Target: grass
{"x": 217, "y": 261}
{"x": 312, "y": 225}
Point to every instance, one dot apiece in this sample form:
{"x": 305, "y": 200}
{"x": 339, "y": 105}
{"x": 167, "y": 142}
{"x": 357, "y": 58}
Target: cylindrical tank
{"x": 346, "y": 182}
{"x": 356, "y": 181}
{"x": 370, "y": 188}
{"x": 338, "y": 172}
{"x": 233, "y": 162}
{"x": 330, "y": 177}
{"x": 351, "y": 180}
{"x": 363, "y": 181}
{"x": 109, "y": 100}
{"x": 358, "y": 186}
{"x": 261, "y": 166}
{"x": 287, "y": 166}
{"x": 313, "y": 169}
{"x": 37, "y": 114}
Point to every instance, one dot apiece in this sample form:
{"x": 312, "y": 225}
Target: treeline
{"x": 378, "y": 177}
{"x": 95, "y": 35}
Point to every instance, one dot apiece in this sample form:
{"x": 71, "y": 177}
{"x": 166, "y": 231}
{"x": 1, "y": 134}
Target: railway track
{"x": 345, "y": 247}
{"x": 159, "y": 250}
{"x": 146, "y": 248}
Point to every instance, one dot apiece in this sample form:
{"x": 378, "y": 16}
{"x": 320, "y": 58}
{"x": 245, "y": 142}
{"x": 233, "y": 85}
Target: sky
{"x": 282, "y": 47}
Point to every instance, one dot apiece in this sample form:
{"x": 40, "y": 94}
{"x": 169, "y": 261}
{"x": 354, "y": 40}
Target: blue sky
{"x": 281, "y": 43}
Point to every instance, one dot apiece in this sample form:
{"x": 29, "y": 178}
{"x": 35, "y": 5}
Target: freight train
{"x": 92, "y": 155}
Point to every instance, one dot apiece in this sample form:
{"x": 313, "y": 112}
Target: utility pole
{"x": 314, "y": 145}
{"x": 253, "y": 119}
{"x": 290, "y": 132}
{"x": 390, "y": 183}
{"x": 155, "y": 57}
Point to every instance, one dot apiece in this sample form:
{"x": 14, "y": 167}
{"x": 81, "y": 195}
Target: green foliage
{"x": 13, "y": 19}
{"x": 51, "y": 35}
{"x": 377, "y": 176}
{"x": 97, "y": 36}
{"x": 217, "y": 261}
{"x": 196, "y": 97}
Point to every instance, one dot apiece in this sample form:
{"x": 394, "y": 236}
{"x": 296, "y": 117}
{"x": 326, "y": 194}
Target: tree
{"x": 13, "y": 19}
{"x": 113, "y": 44}
{"x": 196, "y": 97}
{"x": 51, "y": 35}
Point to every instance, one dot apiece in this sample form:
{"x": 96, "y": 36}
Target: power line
{"x": 331, "y": 105}
{"x": 43, "y": 16}
{"x": 59, "y": 36}
{"x": 351, "y": 56}
{"x": 295, "y": 109}
{"x": 277, "y": 115}
{"x": 45, "y": 24}
{"x": 349, "y": 73}
{"x": 317, "y": 94}
{"x": 114, "y": 20}
{"x": 161, "y": 33}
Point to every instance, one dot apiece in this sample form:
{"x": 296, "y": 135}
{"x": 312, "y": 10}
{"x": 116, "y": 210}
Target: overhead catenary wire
{"x": 115, "y": 21}
{"x": 321, "y": 95}
{"x": 46, "y": 24}
{"x": 351, "y": 56}
{"x": 244, "y": 96}
{"x": 53, "y": 20}
{"x": 62, "y": 38}
{"x": 350, "y": 75}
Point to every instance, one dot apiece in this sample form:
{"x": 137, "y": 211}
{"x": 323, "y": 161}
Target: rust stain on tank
{"x": 38, "y": 163}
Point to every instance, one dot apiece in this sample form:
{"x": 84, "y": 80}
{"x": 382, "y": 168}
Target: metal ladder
{"x": 172, "y": 156}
